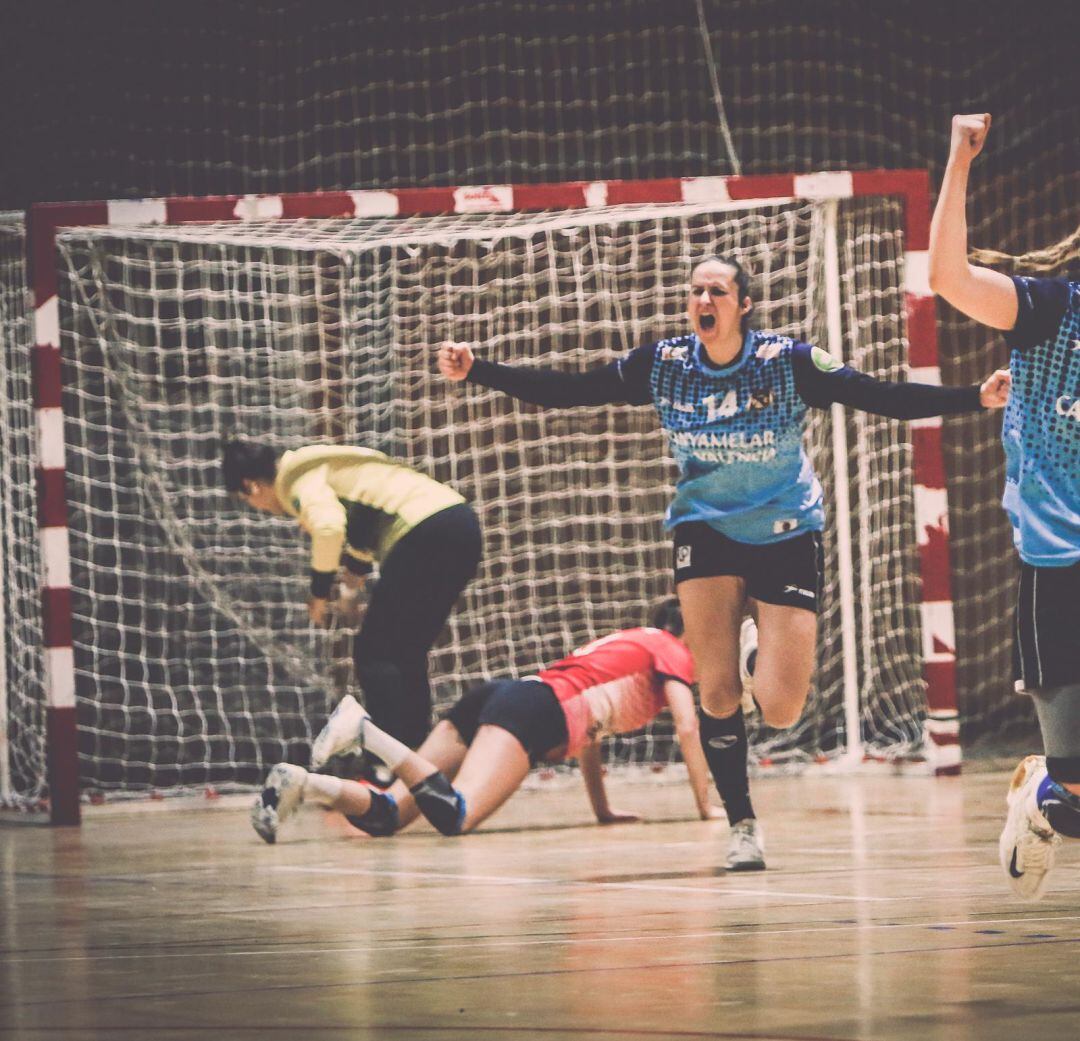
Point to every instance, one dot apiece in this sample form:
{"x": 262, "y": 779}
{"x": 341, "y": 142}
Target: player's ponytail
{"x": 667, "y": 615}
{"x": 1058, "y": 258}
{"x": 742, "y": 282}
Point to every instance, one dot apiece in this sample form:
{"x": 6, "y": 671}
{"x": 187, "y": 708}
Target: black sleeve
{"x": 1041, "y": 304}
{"x": 355, "y": 565}
{"x": 625, "y": 381}
{"x": 321, "y": 582}
{"x": 820, "y": 386}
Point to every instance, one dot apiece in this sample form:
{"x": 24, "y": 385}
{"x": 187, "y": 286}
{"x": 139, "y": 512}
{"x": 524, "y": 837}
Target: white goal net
{"x": 195, "y": 661}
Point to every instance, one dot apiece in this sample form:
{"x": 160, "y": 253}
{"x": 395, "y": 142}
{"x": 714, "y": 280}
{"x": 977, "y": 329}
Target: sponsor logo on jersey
{"x": 781, "y": 526}
{"x": 760, "y": 399}
{"x": 825, "y": 361}
{"x": 674, "y": 352}
{"x": 1068, "y": 407}
{"x": 768, "y": 351}
{"x": 682, "y": 556}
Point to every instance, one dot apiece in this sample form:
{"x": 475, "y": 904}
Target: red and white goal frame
{"x": 931, "y": 505}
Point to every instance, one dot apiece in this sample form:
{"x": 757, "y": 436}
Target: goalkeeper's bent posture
{"x": 479, "y": 754}
{"x": 361, "y": 507}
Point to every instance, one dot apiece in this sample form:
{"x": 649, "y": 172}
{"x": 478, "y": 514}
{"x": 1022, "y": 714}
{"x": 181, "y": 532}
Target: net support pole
{"x": 834, "y": 332}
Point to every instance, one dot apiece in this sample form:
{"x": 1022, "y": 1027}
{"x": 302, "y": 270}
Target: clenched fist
{"x": 455, "y": 360}
{"x": 969, "y": 135}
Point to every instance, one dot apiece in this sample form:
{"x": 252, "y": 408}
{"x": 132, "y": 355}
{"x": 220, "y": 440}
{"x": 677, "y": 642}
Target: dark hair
{"x": 247, "y": 461}
{"x": 667, "y": 614}
{"x": 742, "y": 282}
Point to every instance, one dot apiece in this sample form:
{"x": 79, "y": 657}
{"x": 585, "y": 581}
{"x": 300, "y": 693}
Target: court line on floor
{"x": 510, "y": 880}
{"x": 472, "y": 943}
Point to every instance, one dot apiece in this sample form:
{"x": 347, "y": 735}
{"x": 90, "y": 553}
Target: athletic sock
{"x": 724, "y": 744}
{"x": 322, "y": 789}
{"x": 389, "y": 749}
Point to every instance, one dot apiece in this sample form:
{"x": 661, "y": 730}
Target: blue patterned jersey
{"x": 736, "y": 434}
{"x": 735, "y": 430}
{"x": 1041, "y": 429}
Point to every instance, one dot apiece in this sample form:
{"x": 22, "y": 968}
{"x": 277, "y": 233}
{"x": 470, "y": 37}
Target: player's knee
{"x": 441, "y": 803}
{"x": 781, "y": 707}
{"x": 718, "y": 697}
{"x": 382, "y": 817}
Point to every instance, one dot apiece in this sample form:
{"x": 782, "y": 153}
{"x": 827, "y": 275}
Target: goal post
{"x": 311, "y": 317}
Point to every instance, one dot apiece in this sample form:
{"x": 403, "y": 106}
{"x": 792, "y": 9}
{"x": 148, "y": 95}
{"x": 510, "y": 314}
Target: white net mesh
{"x": 194, "y": 657}
{"x": 22, "y": 696}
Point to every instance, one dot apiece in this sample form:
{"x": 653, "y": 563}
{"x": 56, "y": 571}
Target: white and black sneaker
{"x": 341, "y": 734}
{"x": 282, "y": 793}
{"x": 1028, "y": 843}
{"x": 746, "y": 851}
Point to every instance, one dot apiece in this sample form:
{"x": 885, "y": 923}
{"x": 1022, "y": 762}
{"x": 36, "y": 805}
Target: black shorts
{"x": 528, "y": 709}
{"x": 787, "y": 573}
{"x": 1046, "y": 650}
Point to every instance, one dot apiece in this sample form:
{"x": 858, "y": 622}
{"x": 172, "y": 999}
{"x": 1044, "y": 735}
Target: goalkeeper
{"x": 748, "y": 510}
{"x": 360, "y": 508}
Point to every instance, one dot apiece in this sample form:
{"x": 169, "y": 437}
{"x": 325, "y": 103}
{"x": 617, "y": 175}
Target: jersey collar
{"x": 701, "y": 357}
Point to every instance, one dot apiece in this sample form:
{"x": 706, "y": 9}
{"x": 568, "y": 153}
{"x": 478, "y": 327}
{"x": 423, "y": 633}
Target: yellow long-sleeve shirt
{"x": 355, "y": 499}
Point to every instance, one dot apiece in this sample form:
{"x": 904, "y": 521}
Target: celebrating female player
{"x": 360, "y": 507}
{"x": 747, "y": 511}
{"x": 1041, "y": 434}
{"x": 491, "y": 737}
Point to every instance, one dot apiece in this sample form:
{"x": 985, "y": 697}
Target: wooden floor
{"x": 882, "y": 916}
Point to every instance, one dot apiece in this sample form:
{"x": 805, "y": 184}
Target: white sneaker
{"x": 341, "y": 733}
{"x": 1027, "y": 844}
{"x": 279, "y": 799}
{"x": 747, "y": 647}
{"x": 747, "y": 849}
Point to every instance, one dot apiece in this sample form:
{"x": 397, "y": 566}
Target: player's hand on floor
{"x": 617, "y": 817}
{"x": 714, "y": 813}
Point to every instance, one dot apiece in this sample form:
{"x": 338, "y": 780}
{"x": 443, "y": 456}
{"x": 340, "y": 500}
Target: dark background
{"x": 123, "y": 99}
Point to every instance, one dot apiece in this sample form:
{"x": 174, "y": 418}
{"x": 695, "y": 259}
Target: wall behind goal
{"x": 266, "y": 95}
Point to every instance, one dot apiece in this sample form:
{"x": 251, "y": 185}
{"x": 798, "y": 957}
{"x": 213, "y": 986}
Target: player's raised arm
{"x": 822, "y": 380}
{"x": 987, "y": 296}
{"x": 621, "y": 382}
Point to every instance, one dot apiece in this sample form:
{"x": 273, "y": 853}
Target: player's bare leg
{"x": 712, "y": 613}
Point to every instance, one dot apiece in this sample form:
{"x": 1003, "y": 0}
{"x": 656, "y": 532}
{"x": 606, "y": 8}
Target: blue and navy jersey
{"x": 735, "y": 433}
{"x": 735, "y": 430}
{"x": 1041, "y": 429}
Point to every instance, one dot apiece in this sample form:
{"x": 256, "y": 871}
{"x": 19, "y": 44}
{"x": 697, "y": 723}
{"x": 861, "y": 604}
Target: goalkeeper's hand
{"x": 317, "y": 609}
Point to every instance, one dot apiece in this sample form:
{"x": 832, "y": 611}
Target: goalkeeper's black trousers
{"x": 419, "y": 583}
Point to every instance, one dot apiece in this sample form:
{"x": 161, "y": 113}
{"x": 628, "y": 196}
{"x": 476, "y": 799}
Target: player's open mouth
{"x": 706, "y": 321}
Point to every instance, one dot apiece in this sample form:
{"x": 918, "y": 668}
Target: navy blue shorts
{"x": 787, "y": 573}
{"x": 1046, "y": 650}
{"x": 528, "y": 709}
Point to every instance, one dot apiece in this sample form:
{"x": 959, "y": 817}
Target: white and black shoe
{"x": 1027, "y": 845}
{"x": 746, "y": 851}
{"x": 282, "y": 794}
{"x": 342, "y": 733}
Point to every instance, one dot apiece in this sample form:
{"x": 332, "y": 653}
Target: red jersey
{"x": 616, "y": 684}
